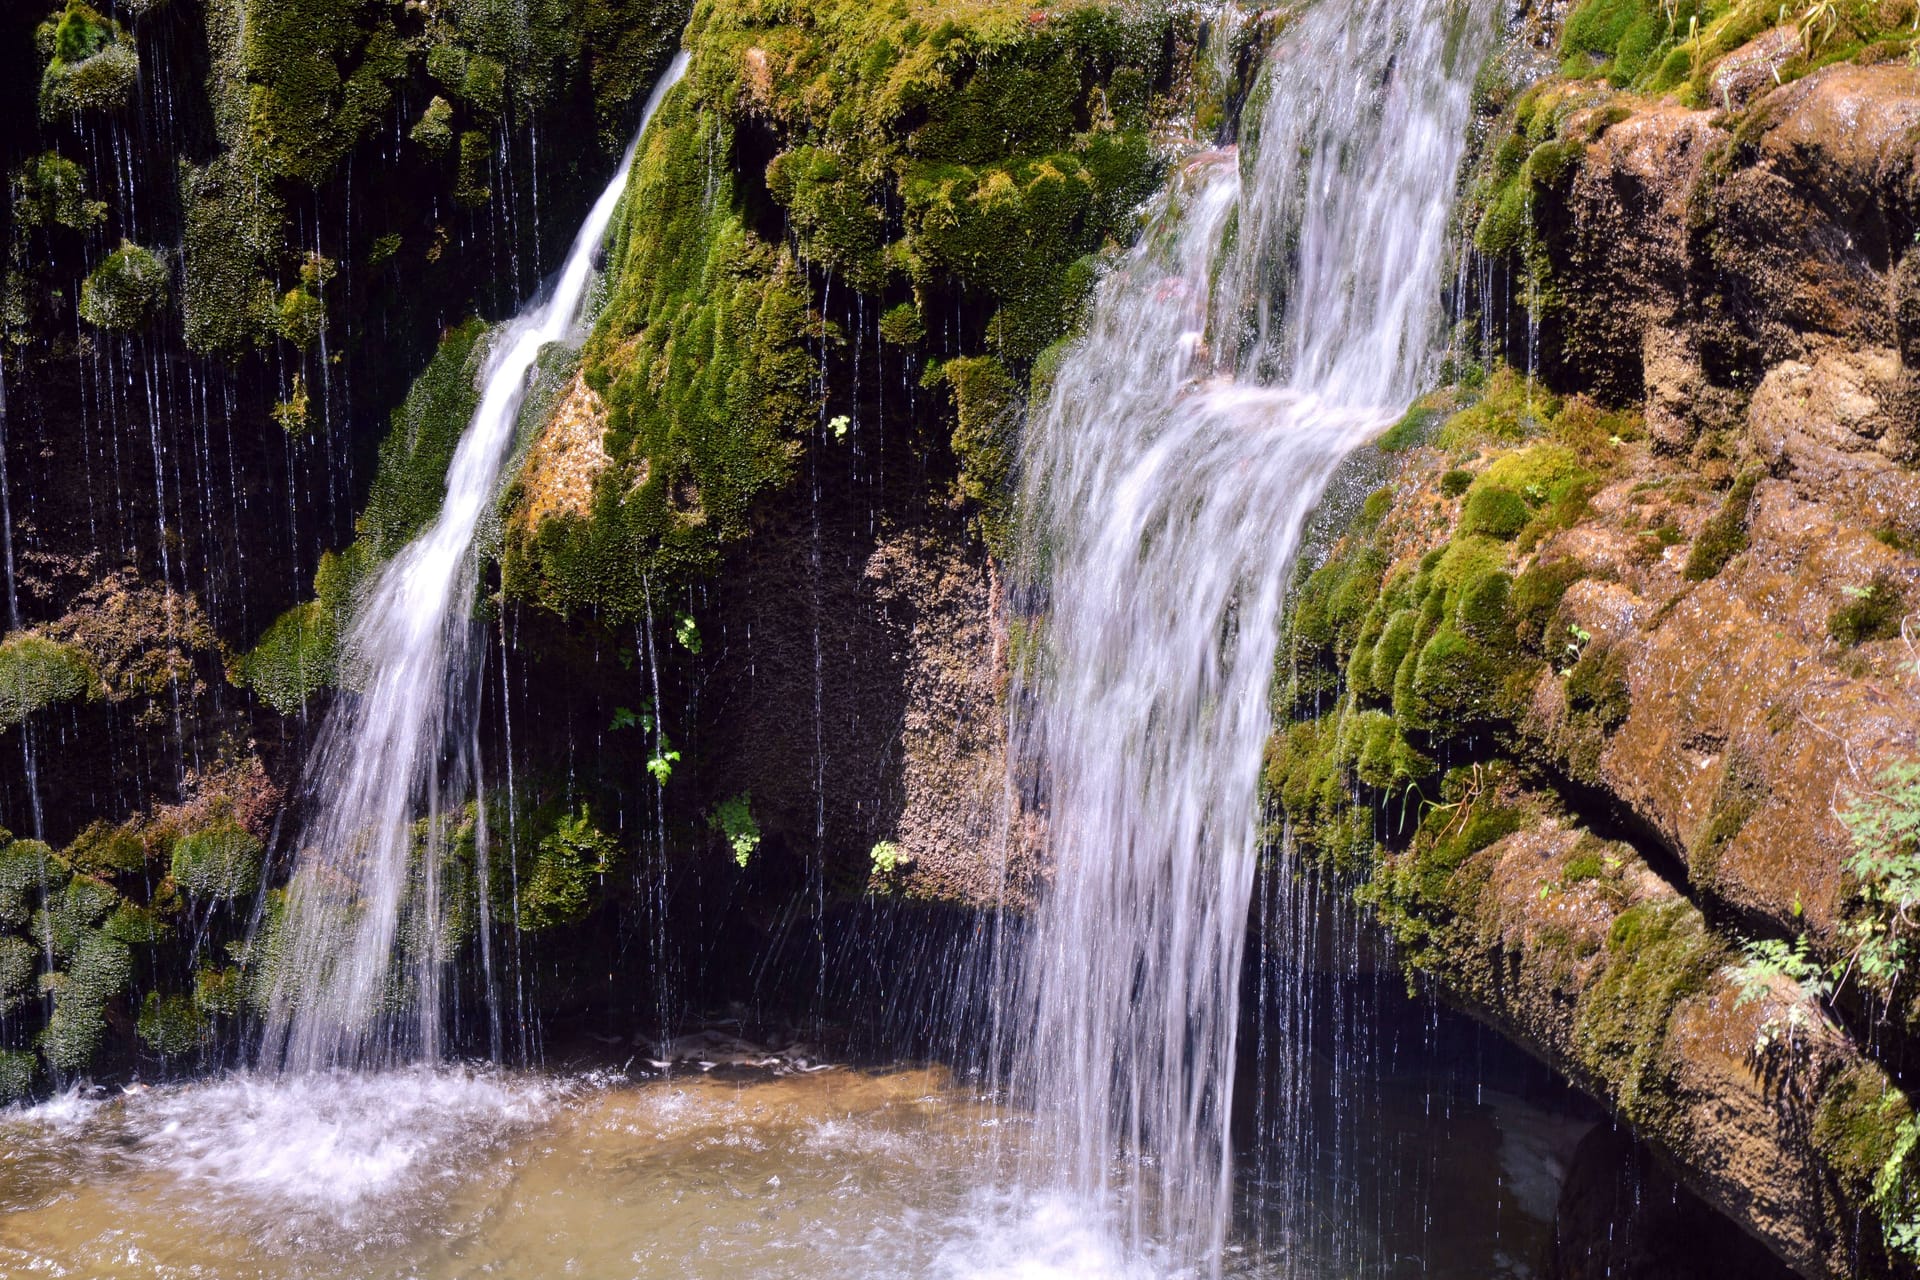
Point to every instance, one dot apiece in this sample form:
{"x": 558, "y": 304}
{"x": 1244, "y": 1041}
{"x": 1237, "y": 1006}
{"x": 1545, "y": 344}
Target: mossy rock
{"x": 219, "y": 863}
{"x": 51, "y": 191}
{"x": 25, "y": 866}
{"x": 19, "y": 961}
{"x": 106, "y": 849}
{"x": 92, "y": 68}
{"x": 1657, "y": 954}
{"x": 126, "y": 291}
{"x": 17, "y": 1072}
{"x": 99, "y": 970}
{"x": 1494, "y": 511}
{"x": 985, "y": 435}
{"x": 36, "y": 673}
{"x": 1874, "y": 612}
{"x": 170, "y": 1025}
{"x": 1725, "y": 535}
{"x": 557, "y": 888}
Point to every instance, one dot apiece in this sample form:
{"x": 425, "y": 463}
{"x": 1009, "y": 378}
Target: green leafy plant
{"x": 733, "y": 818}
{"x": 1770, "y": 959}
{"x": 885, "y": 857}
{"x": 661, "y": 763}
{"x": 1885, "y": 863}
{"x": 686, "y": 632}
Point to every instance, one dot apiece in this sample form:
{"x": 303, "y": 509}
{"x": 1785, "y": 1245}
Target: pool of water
{"x": 778, "y": 1172}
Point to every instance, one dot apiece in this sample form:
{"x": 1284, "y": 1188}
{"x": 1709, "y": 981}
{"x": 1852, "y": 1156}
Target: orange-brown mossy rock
{"x": 955, "y": 818}
{"x": 1577, "y": 948}
{"x": 566, "y": 459}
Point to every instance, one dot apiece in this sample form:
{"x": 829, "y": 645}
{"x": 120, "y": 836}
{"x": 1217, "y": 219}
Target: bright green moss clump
{"x": 91, "y": 64}
{"x": 221, "y": 863}
{"x": 939, "y": 161}
{"x": 51, "y": 191}
{"x": 170, "y": 1025}
{"x": 557, "y": 888}
{"x": 411, "y": 480}
{"x": 702, "y": 357}
{"x": 126, "y": 290}
{"x": 36, "y": 673}
{"x": 98, "y": 971}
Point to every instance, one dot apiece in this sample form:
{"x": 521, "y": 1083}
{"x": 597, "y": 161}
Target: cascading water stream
{"x": 1165, "y": 485}
{"x": 401, "y": 747}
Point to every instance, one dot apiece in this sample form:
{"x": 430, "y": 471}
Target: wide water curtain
{"x": 1165, "y": 484}
{"x": 368, "y": 934}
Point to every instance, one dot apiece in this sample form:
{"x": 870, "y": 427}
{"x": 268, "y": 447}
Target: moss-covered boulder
{"x": 126, "y": 290}
{"x": 219, "y": 863}
{"x": 36, "y": 673}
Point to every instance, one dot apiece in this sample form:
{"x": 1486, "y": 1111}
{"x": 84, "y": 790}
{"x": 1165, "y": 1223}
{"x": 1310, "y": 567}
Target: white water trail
{"x": 392, "y": 752}
{"x": 1165, "y": 483}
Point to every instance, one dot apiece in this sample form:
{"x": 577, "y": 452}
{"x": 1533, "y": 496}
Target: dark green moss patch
{"x": 1872, "y": 613}
{"x": 1725, "y": 535}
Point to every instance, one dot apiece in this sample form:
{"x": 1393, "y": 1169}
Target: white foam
{"x": 329, "y": 1142}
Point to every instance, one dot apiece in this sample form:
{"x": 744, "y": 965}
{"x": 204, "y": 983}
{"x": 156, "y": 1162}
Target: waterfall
{"x": 401, "y": 748}
{"x": 1282, "y": 307}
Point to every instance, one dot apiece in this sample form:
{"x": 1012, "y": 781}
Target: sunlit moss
{"x": 220, "y": 863}
{"x": 126, "y": 290}
{"x": 36, "y": 673}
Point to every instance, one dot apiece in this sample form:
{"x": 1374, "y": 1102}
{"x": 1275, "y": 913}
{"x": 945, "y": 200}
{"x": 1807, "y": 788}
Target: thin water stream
{"x": 366, "y": 946}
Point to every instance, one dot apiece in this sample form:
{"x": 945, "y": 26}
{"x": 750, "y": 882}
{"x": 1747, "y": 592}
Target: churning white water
{"x": 346, "y": 992}
{"x": 1282, "y": 308}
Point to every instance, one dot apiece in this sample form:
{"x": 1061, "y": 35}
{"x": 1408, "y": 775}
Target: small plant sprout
{"x": 686, "y": 632}
{"x": 628, "y": 718}
{"x": 662, "y": 762}
{"x": 1578, "y": 638}
{"x": 1769, "y": 959}
{"x": 885, "y": 857}
{"x": 838, "y": 425}
{"x": 733, "y": 819}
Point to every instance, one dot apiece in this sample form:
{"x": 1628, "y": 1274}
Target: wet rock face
{"x": 1638, "y": 653}
{"x": 1762, "y": 234}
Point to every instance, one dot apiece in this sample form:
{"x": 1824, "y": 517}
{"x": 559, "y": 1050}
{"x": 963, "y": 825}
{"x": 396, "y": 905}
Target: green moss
{"x": 51, "y": 191}
{"x": 36, "y": 673}
{"x": 1455, "y": 482}
{"x": 232, "y": 237}
{"x": 296, "y": 658}
{"x": 1415, "y": 427}
{"x": 220, "y": 863}
{"x": 17, "y": 1072}
{"x": 25, "y": 866}
{"x": 170, "y": 1025}
{"x": 433, "y": 132}
{"x": 702, "y": 356}
{"x": 985, "y": 438}
{"x": 557, "y": 888}
{"x": 410, "y": 480}
{"x": 1657, "y": 954}
{"x": 106, "y": 849}
{"x": 1597, "y": 686}
{"x": 92, "y": 67}
{"x": 1537, "y": 594}
{"x": 319, "y": 75}
{"x": 472, "y": 183}
{"x": 902, "y": 326}
{"x": 1738, "y": 797}
{"x": 126, "y": 290}
{"x": 98, "y": 971}
{"x": 19, "y": 959}
{"x": 1874, "y": 612}
{"x": 1494, "y": 511}
{"x": 1725, "y": 535}
{"x": 219, "y": 992}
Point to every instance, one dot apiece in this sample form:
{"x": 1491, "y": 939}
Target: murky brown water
{"x": 834, "y": 1174}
